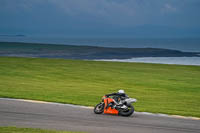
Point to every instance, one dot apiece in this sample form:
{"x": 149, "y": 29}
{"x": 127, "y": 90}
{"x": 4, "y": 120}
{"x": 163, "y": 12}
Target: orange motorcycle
{"x": 109, "y": 105}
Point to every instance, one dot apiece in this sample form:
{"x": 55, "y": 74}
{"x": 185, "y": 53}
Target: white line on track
{"x": 86, "y": 107}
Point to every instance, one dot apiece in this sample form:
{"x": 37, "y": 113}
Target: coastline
{"x": 140, "y": 55}
{"x": 86, "y": 52}
{"x": 194, "y": 61}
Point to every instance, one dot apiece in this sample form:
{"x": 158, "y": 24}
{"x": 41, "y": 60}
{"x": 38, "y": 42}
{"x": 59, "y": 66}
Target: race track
{"x": 76, "y": 118}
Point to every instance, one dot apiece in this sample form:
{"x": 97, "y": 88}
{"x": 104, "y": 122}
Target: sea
{"x": 182, "y": 44}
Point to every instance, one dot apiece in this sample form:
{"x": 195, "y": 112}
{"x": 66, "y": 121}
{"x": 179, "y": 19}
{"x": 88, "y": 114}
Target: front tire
{"x": 127, "y": 112}
{"x": 99, "y": 108}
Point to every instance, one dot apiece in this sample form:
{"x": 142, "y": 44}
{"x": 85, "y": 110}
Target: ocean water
{"x": 162, "y": 60}
{"x": 186, "y": 44}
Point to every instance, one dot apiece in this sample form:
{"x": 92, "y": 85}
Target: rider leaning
{"x": 120, "y": 95}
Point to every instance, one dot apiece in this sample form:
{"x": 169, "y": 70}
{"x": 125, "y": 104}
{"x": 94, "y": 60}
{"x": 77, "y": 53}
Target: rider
{"x": 120, "y": 95}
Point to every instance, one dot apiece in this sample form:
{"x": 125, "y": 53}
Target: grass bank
{"x": 171, "y": 89}
{"x": 28, "y": 130}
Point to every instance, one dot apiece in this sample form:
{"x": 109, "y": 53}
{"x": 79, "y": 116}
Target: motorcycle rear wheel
{"x": 99, "y": 108}
{"x": 127, "y": 112}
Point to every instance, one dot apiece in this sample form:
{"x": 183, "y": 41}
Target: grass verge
{"x": 170, "y": 89}
{"x": 28, "y": 130}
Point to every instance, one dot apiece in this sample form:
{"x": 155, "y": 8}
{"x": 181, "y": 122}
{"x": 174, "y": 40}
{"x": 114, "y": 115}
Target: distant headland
{"x": 17, "y": 35}
{"x": 85, "y": 52}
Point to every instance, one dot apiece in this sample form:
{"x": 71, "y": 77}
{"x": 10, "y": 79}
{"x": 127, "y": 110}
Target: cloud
{"x": 168, "y": 8}
{"x": 97, "y": 15}
{"x": 118, "y": 12}
{"x": 114, "y": 12}
{"x": 124, "y": 12}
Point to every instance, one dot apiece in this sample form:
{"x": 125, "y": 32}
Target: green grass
{"x": 171, "y": 89}
{"x": 28, "y": 130}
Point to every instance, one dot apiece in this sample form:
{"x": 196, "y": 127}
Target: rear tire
{"x": 99, "y": 108}
{"x": 128, "y": 112}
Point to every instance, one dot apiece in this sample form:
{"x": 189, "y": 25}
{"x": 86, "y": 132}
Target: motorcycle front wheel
{"x": 99, "y": 108}
{"x": 127, "y": 112}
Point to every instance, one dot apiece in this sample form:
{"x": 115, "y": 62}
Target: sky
{"x": 101, "y": 18}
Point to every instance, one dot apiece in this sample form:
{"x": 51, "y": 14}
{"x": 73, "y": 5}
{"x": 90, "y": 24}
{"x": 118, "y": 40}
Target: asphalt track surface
{"x": 75, "y": 118}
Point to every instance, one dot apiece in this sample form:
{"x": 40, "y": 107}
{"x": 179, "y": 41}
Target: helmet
{"x": 121, "y": 91}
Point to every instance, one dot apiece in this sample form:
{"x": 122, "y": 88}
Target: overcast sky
{"x": 125, "y": 18}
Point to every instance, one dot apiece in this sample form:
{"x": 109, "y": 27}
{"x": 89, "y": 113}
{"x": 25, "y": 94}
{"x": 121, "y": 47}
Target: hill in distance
{"x": 85, "y": 52}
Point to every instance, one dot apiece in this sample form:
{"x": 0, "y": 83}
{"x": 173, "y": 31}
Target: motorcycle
{"x": 110, "y": 106}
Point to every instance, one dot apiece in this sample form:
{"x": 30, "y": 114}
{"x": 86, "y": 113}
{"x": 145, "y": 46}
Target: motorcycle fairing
{"x": 109, "y": 110}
